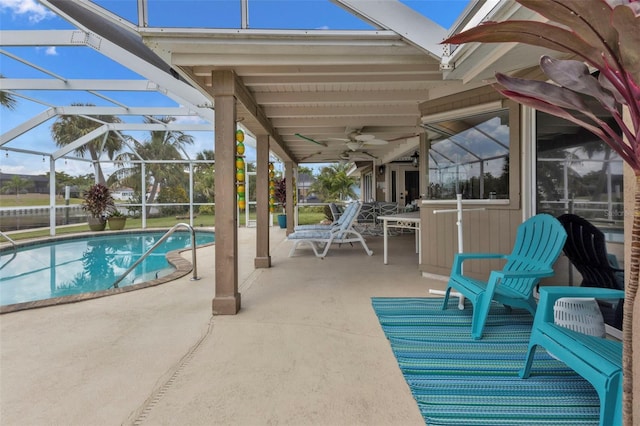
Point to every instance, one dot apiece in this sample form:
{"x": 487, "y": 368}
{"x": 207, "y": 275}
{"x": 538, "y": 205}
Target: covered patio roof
{"x": 321, "y": 95}
{"x": 317, "y": 93}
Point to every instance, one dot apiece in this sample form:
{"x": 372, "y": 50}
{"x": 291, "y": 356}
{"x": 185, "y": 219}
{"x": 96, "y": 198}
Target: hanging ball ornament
{"x": 239, "y": 163}
{"x": 240, "y": 145}
{"x": 240, "y": 175}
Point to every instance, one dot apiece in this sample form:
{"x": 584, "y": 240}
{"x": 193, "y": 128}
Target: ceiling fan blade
{"x": 363, "y": 138}
{"x": 309, "y": 156}
{"x": 369, "y": 154}
{"x": 353, "y": 146}
{"x": 413, "y": 135}
{"x": 376, "y": 142}
{"x": 369, "y": 139}
{"x": 310, "y": 140}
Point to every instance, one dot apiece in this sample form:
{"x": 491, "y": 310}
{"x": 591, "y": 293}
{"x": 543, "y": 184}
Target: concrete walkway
{"x": 306, "y": 348}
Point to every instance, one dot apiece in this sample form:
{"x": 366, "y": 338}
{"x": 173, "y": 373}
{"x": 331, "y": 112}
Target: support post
{"x": 263, "y": 259}
{"x": 52, "y": 196}
{"x": 227, "y": 298}
{"x": 289, "y": 209}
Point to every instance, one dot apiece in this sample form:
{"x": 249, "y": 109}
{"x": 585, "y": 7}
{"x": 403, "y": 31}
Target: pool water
{"x": 84, "y": 265}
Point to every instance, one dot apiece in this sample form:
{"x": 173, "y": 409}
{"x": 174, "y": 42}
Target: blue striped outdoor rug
{"x": 460, "y": 381}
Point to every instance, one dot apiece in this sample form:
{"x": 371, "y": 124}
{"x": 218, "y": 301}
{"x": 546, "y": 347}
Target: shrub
{"x": 97, "y": 200}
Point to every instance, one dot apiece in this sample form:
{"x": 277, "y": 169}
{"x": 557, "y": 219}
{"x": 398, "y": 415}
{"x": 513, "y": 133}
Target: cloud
{"x": 190, "y": 119}
{"x": 49, "y": 51}
{"x": 32, "y": 10}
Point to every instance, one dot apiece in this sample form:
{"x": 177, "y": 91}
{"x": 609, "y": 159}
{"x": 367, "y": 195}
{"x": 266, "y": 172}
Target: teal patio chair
{"x": 539, "y": 241}
{"x": 597, "y": 359}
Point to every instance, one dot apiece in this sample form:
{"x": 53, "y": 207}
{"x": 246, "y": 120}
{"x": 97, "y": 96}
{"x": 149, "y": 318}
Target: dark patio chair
{"x": 587, "y": 251}
{"x": 366, "y": 221}
{"x": 539, "y": 241}
{"x": 336, "y": 211}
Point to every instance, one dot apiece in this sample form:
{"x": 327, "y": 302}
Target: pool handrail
{"x": 13, "y": 245}
{"x": 160, "y": 241}
{"x": 6, "y": 237}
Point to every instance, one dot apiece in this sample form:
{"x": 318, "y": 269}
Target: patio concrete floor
{"x": 305, "y": 349}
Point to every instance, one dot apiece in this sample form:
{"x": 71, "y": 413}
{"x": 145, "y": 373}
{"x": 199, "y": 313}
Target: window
{"x": 367, "y": 187}
{"x": 577, "y": 173}
{"x": 470, "y": 155}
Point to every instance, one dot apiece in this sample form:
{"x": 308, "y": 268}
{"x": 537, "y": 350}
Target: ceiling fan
{"x": 354, "y": 141}
{"x": 357, "y": 140}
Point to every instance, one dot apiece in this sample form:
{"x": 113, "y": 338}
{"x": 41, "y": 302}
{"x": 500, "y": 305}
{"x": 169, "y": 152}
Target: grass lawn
{"x": 159, "y": 222}
{"x": 31, "y": 200}
{"x": 305, "y": 216}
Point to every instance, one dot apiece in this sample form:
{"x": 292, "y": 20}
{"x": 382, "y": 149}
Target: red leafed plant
{"x": 600, "y": 35}
{"x": 97, "y": 200}
{"x": 281, "y": 192}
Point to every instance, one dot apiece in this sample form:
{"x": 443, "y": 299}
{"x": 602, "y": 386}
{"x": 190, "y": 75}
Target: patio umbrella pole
{"x": 459, "y": 211}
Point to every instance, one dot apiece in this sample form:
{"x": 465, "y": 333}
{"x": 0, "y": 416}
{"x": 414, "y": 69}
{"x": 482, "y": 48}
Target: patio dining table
{"x": 407, "y": 220}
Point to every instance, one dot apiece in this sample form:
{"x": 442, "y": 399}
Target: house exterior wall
{"x": 491, "y": 229}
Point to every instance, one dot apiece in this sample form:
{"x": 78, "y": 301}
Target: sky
{"x": 85, "y": 63}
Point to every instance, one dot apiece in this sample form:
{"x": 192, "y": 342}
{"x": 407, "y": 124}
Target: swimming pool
{"x": 75, "y": 268}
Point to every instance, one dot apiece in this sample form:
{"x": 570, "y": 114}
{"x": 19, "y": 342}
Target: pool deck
{"x": 305, "y": 349}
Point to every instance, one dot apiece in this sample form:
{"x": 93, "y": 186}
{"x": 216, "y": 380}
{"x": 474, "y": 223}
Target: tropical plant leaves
{"x": 533, "y": 33}
{"x": 575, "y": 75}
{"x": 625, "y": 21}
{"x": 624, "y": 150}
{"x": 551, "y": 93}
{"x": 585, "y": 18}
{"x": 603, "y": 33}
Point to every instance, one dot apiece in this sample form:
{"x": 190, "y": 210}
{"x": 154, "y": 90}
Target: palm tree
{"x": 205, "y": 183}
{"x": 333, "y": 183}
{"x": 69, "y": 128}
{"x": 603, "y": 35}
{"x": 6, "y": 99}
{"x": 16, "y": 184}
{"x": 161, "y": 145}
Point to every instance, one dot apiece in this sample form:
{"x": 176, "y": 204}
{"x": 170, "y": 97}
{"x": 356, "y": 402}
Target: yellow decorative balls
{"x": 239, "y": 163}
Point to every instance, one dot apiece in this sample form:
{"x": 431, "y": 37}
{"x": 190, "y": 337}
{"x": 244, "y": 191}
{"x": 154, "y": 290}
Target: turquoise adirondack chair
{"x": 539, "y": 241}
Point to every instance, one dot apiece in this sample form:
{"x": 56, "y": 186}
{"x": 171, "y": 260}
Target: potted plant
{"x": 117, "y": 220}
{"x": 281, "y": 198}
{"x": 600, "y": 35}
{"x": 97, "y": 201}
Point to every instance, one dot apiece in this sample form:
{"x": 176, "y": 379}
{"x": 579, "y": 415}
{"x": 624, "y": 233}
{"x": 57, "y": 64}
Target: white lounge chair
{"x": 325, "y": 227}
{"x": 323, "y": 239}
